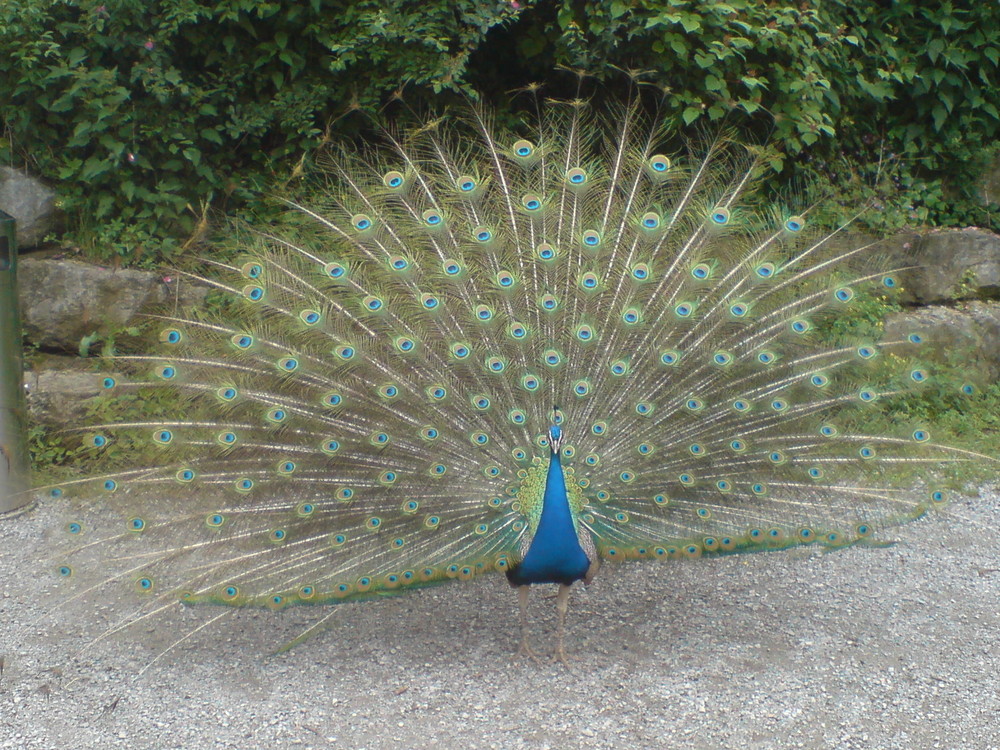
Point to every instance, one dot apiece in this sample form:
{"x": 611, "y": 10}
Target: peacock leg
{"x": 562, "y": 604}
{"x": 524, "y": 649}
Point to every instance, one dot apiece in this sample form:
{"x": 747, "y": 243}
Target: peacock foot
{"x": 561, "y": 657}
{"x": 525, "y": 650}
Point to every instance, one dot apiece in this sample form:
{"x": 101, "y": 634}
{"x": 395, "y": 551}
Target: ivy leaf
{"x": 939, "y": 114}
{"x": 690, "y": 22}
{"x": 690, "y": 115}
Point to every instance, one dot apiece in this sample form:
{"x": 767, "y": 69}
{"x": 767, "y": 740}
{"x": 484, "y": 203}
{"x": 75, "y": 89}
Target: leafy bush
{"x": 144, "y": 110}
{"x": 148, "y": 112}
{"x": 897, "y": 101}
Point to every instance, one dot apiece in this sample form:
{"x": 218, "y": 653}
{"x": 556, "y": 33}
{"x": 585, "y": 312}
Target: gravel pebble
{"x": 895, "y": 647}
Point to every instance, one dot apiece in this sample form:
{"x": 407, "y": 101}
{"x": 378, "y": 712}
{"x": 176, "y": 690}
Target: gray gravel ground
{"x": 866, "y": 648}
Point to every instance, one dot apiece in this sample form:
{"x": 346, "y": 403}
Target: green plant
{"x": 146, "y": 112}
{"x": 52, "y": 456}
{"x": 896, "y": 104}
{"x": 142, "y": 109}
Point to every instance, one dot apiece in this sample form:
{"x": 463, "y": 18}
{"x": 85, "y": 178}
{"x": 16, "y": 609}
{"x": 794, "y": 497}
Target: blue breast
{"x": 555, "y": 554}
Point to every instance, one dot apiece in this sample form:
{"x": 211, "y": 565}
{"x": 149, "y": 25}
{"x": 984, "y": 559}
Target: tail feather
{"x": 369, "y": 411}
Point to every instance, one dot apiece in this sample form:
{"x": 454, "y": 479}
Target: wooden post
{"x": 14, "y": 475}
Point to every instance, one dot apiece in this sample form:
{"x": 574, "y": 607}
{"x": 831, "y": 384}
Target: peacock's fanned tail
{"x": 369, "y": 411}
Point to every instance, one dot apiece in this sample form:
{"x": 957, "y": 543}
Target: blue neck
{"x": 555, "y": 554}
{"x": 556, "y": 516}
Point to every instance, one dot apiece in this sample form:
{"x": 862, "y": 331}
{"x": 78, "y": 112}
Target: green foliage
{"x": 893, "y": 104}
{"x": 141, "y": 109}
{"x": 716, "y": 57}
{"x": 52, "y": 453}
{"x": 954, "y": 417}
{"x": 147, "y": 111}
{"x": 58, "y": 454}
{"x": 969, "y": 422}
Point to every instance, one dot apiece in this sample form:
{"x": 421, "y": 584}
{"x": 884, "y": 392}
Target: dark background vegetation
{"x": 150, "y": 115}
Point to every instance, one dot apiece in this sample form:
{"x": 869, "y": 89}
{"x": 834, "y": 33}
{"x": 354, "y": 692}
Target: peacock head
{"x": 555, "y": 438}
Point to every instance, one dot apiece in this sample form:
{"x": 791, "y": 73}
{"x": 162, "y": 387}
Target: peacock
{"x": 528, "y": 350}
